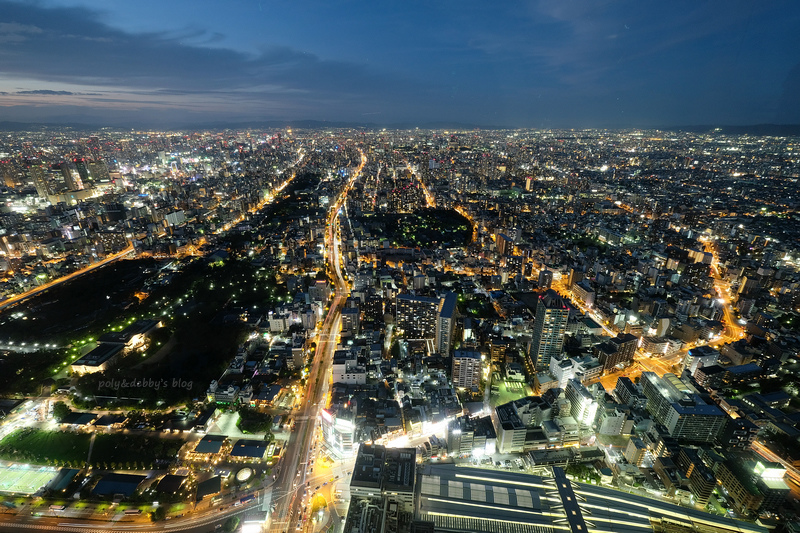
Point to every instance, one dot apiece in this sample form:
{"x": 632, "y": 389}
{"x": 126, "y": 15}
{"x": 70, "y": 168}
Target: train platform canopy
{"x": 459, "y": 499}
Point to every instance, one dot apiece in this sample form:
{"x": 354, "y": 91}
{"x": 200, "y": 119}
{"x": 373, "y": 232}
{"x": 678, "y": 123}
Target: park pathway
{"x": 91, "y": 445}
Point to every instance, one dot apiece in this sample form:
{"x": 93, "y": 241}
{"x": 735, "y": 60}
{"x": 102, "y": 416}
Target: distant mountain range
{"x": 778, "y": 130}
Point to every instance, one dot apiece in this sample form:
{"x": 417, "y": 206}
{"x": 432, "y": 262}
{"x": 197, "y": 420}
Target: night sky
{"x": 553, "y": 63}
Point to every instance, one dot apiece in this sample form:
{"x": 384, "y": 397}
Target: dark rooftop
{"x": 110, "y": 420}
{"x": 209, "y": 487}
{"x": 249, "y": 448}
{"x": 99, "y": 355}
{"x": 125, "y": 484}
{"x": 210, "y": 444}
{"x": 171, "y": 483}
{"x": 63, "y": 479}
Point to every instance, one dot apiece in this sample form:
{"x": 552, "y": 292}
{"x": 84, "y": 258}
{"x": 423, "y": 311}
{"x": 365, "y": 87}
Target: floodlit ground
{"x": 25, "y": 479}
{"x": 509, "y": 391}
{"x": 35, "y": 446}
{"x": 226, "y": 425}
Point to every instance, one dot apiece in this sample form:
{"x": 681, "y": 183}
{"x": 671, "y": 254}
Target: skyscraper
{"x": 701, "y": 480}
{"x": 583, "y": 407}
{"x": 504, "y": 244}
{"x": 545, "y": 279}
{"x": 679, "y": 408}
{"x": 416, "y": 316}
{"x": 98, "y": 170}
{"x": 699, "y": 357}
{"x": 466, "y": 369}
{"x": 446, "y": 323}
{"x": 549, "y": 328}
{"x": 38, "y": 176}
{"x": 83, "y": 170}
{"x": 71, "y": 181}
{"x": 617, "y": 352}
{"x": 338, "y": 431}
{"x": 8, "y": 173}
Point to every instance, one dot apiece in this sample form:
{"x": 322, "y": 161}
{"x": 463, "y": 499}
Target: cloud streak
{"x": 162, "y": 65}
{"x": 46, "y": 92}
{"x": 569, "y": 63}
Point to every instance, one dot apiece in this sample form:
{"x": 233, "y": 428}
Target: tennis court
{"x": 25, "y": 479}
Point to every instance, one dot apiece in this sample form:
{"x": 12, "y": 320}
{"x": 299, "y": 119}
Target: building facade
{"x": 467, "y": 368}
{"x": 549, "y": 328}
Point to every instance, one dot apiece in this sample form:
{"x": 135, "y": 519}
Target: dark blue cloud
{"x": 70, "y": 45}
{"x": 46, "y": 92}
{"x": 529, "y": 63}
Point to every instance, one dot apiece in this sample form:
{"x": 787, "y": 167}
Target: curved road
{"x": 119, "y": 255}
{"x": 50, "y": 284}
{"x": 196, "y": 523}
{"x": 290, "y": 481}
{"x": 199, "y": 522}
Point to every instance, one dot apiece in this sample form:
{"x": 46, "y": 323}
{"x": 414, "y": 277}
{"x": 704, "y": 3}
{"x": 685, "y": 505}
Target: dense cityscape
{"x": 375, "y": 330}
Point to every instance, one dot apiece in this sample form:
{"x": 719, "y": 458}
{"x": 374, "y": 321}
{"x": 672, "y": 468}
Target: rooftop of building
{"x": 210, "y": 444}
{"x": 400, "y": 470}
{"x": 712, "y": 369}
{"x": 208, "y": 487}
{"x": 250, "y": 448}
{"x": 466, "y": 354}
{"x": 481, "y": 427}
{"x": 393, "y": 469}
{"x": 744, "y": 369}
{"x": 448, "y": 306}
{"x": 369, "y": 466}
{"x": 114, "y": 483}
{"x": 413, "y": 298}
{"x": 460, "y": 499}
{"x": 99, "y": 355}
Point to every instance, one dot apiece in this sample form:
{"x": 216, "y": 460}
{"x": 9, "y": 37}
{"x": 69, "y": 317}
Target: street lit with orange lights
{"x": 264, "y": 236}
{"x": 641, "y": 363}
{"x": 293, "y": 477}
{"x": 50, "y": 284}
{"x": 430, "y": 200}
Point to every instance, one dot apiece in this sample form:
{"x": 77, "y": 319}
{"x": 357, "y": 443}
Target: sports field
{"x": 25, "y": 479}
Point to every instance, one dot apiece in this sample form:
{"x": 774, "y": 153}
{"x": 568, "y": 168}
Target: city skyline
{"x": 311, "y": 329}
{"x": 527, "y": 64}
{"x": 418, "y": 267}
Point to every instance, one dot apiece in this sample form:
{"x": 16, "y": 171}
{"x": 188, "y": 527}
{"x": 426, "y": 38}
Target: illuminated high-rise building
{"x": 617, "y": 352}
{"x": 549, "y": 328}
{"x": 679, "y": 408}
{"x": 446, "y": 323}
{"x": 82, "y": 168}
{"x": 338, "y": 432}
{"x": 71, "y": 181}
{"x": 39, "y": 177}
{"x": 699, "y": 357}
{"x": 504, "y": 244}
{"x": 416, "y": 316}
{"x": 8, "y": 173}
{"x": 466, "y": 372}
{"x": 98, "y": 170}
{"x": 583, "y": 406}
{"x": 701, "y": 479}
{"x": 545, "y": 279}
